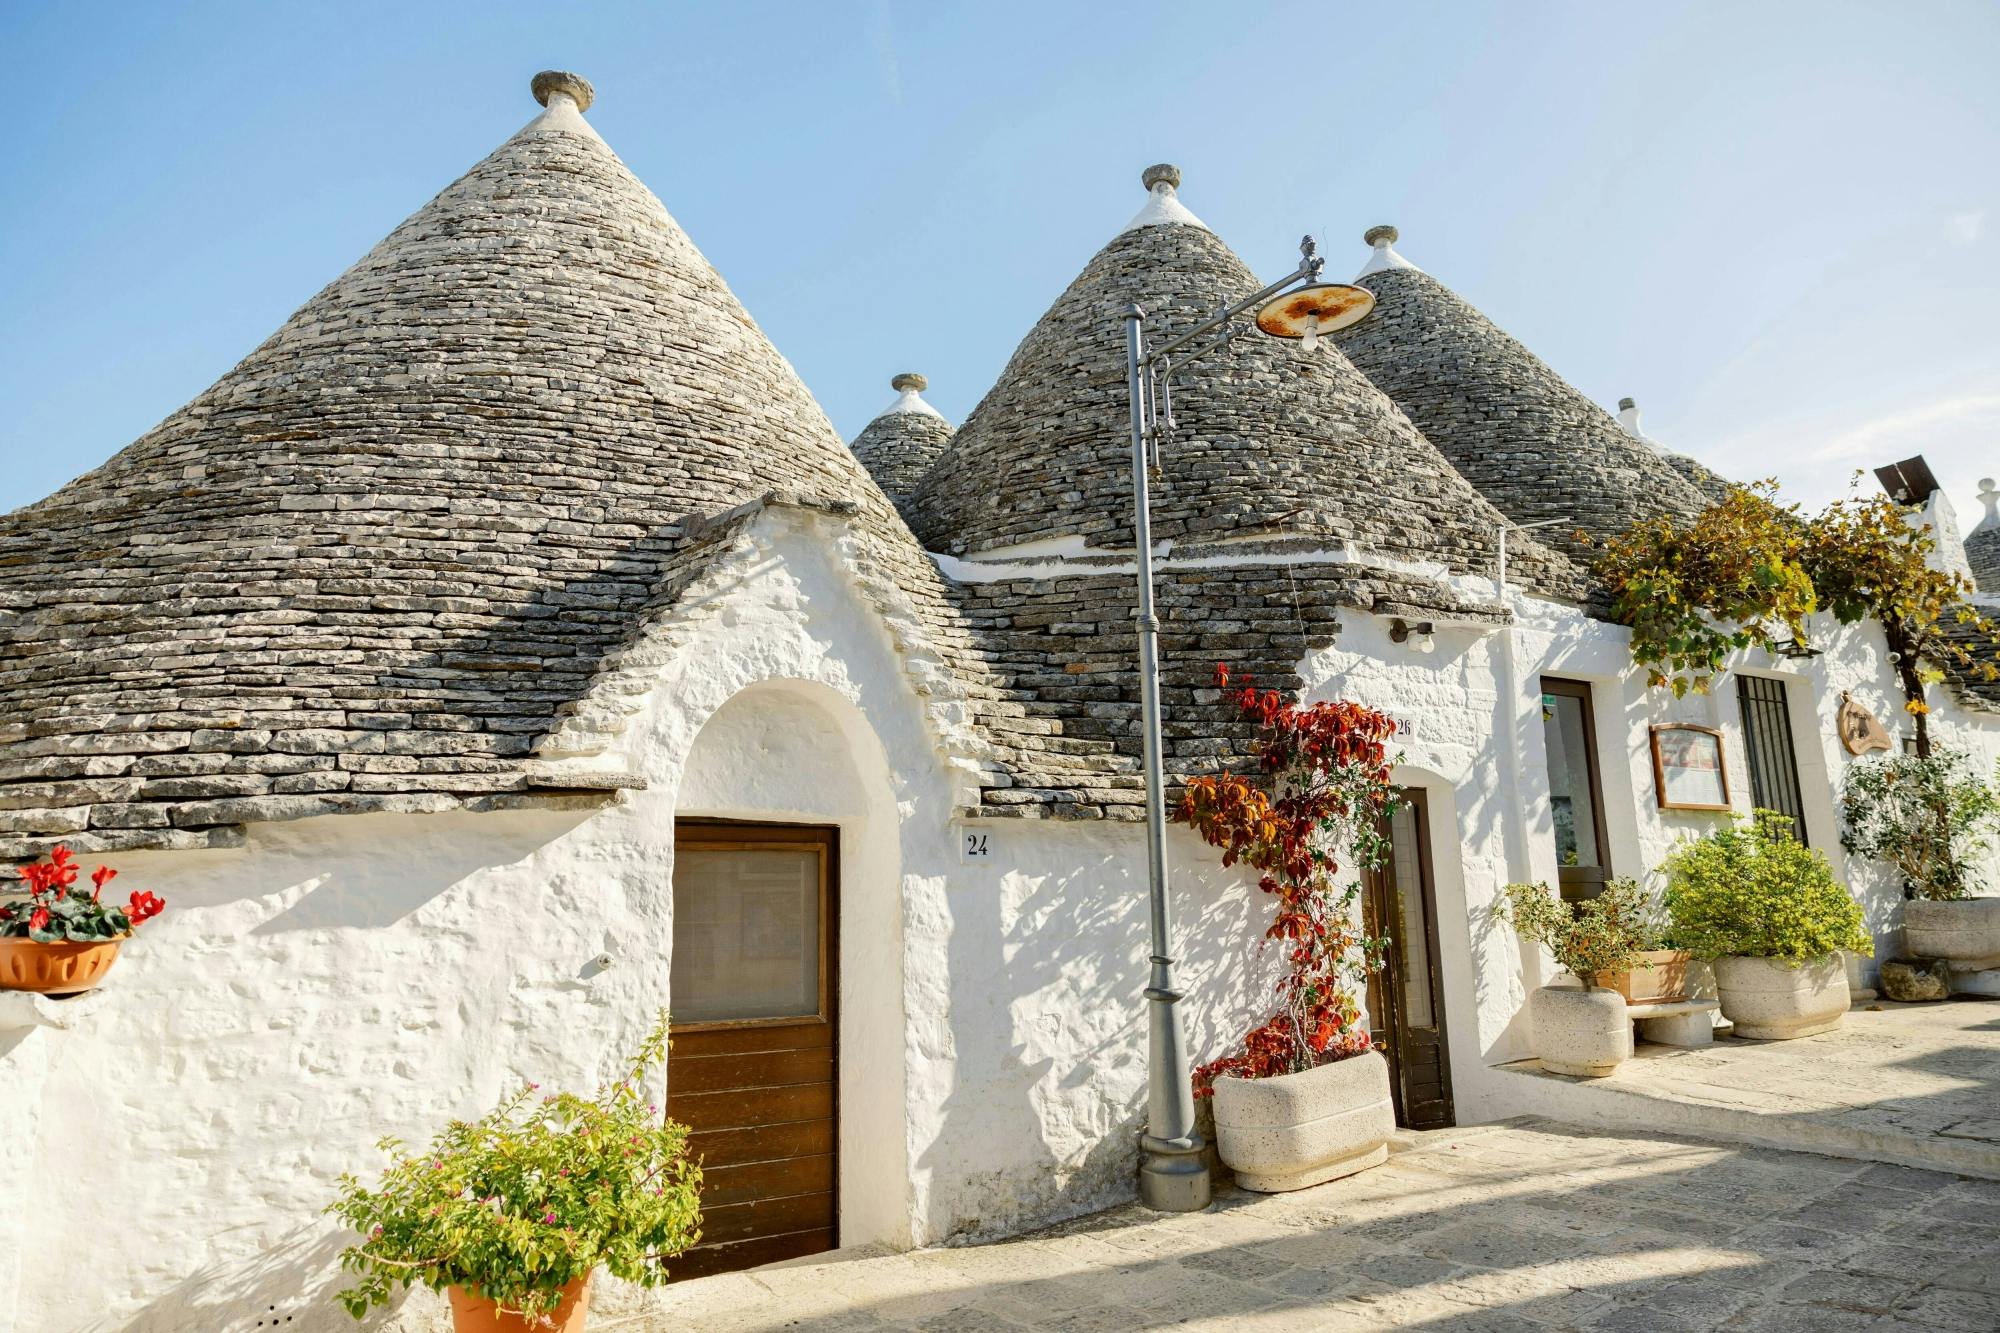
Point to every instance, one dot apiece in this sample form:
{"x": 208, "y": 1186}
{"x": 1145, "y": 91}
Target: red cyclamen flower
{"x": 100, "y": 877}
{"x": 144, "y": 905}
{"x": 38, "y": 919}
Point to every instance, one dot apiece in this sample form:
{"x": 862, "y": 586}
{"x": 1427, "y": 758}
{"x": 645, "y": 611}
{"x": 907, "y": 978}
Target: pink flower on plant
{"x": 549, "y": 1220}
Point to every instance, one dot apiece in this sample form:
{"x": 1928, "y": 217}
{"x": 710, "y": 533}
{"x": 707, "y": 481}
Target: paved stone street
{"x": 1915, "y": 1083}
{"x": 1525, "y": 1227}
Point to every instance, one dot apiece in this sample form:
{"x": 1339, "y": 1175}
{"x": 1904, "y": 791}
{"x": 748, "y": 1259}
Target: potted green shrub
{"x": 1581, "y": 1030}
{"x": 63, "y": 938}
{"x": 1934, "y": 819}
{"x": 1768, "y": 910}
{"x": 510, "y": 1214}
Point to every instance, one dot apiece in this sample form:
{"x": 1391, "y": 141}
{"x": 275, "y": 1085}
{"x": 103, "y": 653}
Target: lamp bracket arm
{"x": 1306, "y": 269}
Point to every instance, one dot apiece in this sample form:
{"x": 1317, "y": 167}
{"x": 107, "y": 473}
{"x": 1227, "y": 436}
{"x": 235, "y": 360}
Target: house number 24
{"x": 975, "y": 846}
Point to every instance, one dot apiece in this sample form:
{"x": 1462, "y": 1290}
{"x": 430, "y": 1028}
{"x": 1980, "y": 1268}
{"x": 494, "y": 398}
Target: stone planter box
{"x": 1965, "y": 933}
{"x": 1295, "y": 1130}
{"x": 1769, "y": 1001}
{"x": 1582, "y": 1033}
{"x": 1665, "y": 982}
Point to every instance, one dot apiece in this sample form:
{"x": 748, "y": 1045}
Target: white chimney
{"x": 1628, "y": 417}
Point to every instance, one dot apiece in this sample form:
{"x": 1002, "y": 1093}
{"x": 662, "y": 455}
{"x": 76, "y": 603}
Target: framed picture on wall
{"x": 1688, "y": 768}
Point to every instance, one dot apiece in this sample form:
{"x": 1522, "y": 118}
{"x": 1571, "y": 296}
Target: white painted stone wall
{"x": 344, "y": 978}
{"x": 1483, "y": 761}
{"x": 340, "y": 979}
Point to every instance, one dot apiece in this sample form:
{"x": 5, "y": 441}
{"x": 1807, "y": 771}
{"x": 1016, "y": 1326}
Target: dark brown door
{"x": 1576, "y": 796}
{"x": 752, "y": 1069}
{"x": 1406, "y": 995}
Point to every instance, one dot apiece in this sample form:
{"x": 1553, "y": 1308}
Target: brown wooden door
{"x": 1406, "y": 995}
{"x": 753, "y": 1067}
{"x": 1576, "y": 795}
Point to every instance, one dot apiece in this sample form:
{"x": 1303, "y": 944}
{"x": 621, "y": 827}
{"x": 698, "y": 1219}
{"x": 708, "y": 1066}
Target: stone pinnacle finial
{"x": 1163, "y": 173}
{"x": 1382, "y": 235}
{"x": 573, "y": 86}
{"x": 1989, "y": 497}
{"x": 1626, "y": 404}
{"x": 909, "y": 381}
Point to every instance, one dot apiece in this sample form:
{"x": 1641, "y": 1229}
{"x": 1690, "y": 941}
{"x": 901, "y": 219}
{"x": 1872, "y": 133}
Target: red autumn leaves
{"x": 1326, "y": 786}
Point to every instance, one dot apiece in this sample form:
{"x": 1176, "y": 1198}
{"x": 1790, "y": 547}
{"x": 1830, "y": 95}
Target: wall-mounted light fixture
{"x": 1796, "y": 649}
{"x": 1400, "y": 630}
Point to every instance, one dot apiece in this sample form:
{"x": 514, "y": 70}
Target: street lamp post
{"x": 1172, "y": 1177}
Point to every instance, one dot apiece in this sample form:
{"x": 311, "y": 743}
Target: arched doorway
{"x": 785, "y": 977}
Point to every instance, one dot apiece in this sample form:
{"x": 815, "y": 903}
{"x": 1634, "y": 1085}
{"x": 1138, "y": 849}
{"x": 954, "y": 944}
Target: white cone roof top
{"x": 910, "y": 397}
{"x": 1990, "y": 497}
{"x": 1628, "y": 417}
{"x": 1385, "y": 256}
{"x": 1163, "y": 205}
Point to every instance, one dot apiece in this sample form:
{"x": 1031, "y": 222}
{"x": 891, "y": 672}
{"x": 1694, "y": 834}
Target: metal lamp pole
{"x": 1172, "y": 1177}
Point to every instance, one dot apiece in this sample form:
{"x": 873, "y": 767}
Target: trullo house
{"x": 509, "y": 646}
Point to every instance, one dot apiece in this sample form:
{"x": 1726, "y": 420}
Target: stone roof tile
{"x": 1531, "y": 443}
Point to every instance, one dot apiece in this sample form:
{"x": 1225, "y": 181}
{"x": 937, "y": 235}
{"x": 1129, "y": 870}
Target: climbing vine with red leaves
{"x": 1326, "y": 789}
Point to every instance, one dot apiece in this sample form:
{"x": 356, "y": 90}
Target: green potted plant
{"x": 63, "y": 938}
{"x": 1581, "y": 1030}
{"x": 1768, "y": 910}
{"x": 510, "y": 1214}
{"x": 1934, "y": 819}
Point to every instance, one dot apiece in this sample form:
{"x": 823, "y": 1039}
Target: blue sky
{"x": 1776, "y": 225}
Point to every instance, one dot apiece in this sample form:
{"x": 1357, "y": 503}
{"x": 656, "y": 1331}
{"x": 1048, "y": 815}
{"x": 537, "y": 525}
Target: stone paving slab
{"x": 1523, "y": 1227}
{"x": 1917, "y": 1084}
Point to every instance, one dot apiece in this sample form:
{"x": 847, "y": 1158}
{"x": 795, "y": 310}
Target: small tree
{"x": 1933, "y": 818}
{"x": 1327, "y": 769}
{"x": 1867, "y": 560}
{"x": 1598, "y": 935}
{"x": 1748, "y": 566}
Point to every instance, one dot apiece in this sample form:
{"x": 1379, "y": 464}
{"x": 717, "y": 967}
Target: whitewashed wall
{"x": 1474, "y": 742}
{"x": 344, "y": 978}
{"x": 340, "y": 979}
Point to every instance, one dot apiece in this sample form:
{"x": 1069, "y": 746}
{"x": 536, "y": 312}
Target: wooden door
{"x": 1406, "y": 995}
{"x": 1576, "y": 795}
{"x": 753, "y": 1067}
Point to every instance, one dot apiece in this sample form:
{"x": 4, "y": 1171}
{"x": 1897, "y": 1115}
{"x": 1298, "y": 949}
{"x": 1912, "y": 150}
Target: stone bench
{"x": 1682, "y": 1023}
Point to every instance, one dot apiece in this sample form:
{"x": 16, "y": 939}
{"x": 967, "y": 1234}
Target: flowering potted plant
{"x": 64, "y": 938}
{"x": 1934, "y": 819}
{"x": 1769, "y": 911}
{"x": 1584, "y": 1032}
{"x": 511, "y": 1213}
{"x": 1306, "y": 1100}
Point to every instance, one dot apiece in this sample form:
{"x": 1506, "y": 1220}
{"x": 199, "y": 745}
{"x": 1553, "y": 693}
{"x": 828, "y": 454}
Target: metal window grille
{"x": 1767, "y": 736}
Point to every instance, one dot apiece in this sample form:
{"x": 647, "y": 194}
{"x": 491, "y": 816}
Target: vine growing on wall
{"x": 1750, "y": 567}
{"x": 1325, "y": 791}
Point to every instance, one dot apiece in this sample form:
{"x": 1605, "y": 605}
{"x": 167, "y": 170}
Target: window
{"x": 1767, "y": 739}
{"x": 1576, "y": 803}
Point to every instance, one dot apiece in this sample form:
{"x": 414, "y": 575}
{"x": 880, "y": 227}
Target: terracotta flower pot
{"x": 1295, "y": 1130}
{"x": 1665, "y": 982}
{"x": 54, "y": 968}
{"x": 473, "y": 1313}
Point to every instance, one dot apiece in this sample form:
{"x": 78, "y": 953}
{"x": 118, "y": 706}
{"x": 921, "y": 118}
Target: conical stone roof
{"x": 1271, "y": 440}
{"x": 902, "y": 443}
{"x": 1531, "y": 443}
{"x": 1982, "y": 544}
{"x": 373, "y": 563}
